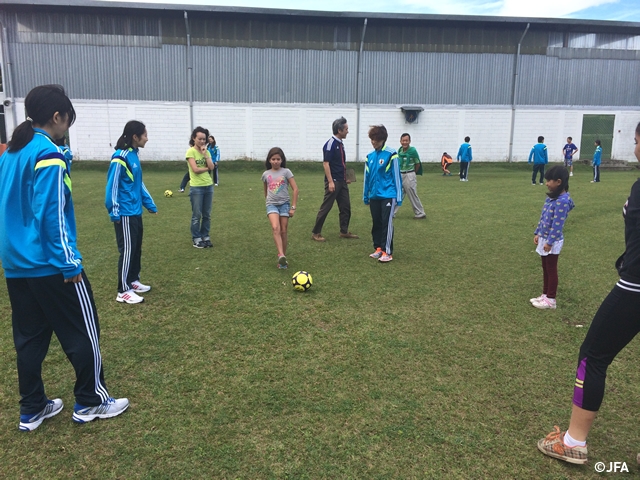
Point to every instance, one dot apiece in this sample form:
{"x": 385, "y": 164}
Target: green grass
{"x": 432, "y": 366}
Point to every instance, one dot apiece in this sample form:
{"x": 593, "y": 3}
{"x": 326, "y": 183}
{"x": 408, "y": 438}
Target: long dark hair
{"x": 214, "y": 141}
{"x": 133, "y": 127}
{"x": 558, "y": 172}
{"x": 195, "y": 132}
{"x": 272, "y": 152}
{"x": 40, "y": 105}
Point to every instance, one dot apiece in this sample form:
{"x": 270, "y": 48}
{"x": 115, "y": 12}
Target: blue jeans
{"x": 201, "y": 202}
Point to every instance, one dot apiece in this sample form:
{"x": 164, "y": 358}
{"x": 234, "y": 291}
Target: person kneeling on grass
{"x": 382, "y": 192}
{"x": 279, "y": 206}
{"x": 616, "y": 323}
{"x": 48, "y": 288}
{"x": 445, "y": 162}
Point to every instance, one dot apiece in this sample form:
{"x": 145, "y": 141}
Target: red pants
{"x": 550, "y": 275}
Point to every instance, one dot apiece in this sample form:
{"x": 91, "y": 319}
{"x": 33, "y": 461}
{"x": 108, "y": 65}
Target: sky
{"x": 617, "y": 10}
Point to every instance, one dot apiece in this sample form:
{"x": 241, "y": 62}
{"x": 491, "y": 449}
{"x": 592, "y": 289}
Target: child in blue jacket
{"x": 125, "y": 196}
{"x": 464, "y": 156}
{"x": 382, "y": 192}
{"x": 597, "y": 156}
{"x": 48, "y": 289}
{"x": 540, "y": 158}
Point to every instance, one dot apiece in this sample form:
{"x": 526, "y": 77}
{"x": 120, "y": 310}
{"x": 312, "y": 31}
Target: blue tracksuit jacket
{"x": 37, "y": 221}
{"x": 539, "y": 154}
{"x": 382, "y": 176}
{"x": 126, "y": 194}
{"x": 464, "y": 153}
{"x": 597, "y": 155}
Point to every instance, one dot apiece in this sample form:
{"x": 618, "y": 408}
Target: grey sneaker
{"x": 32, "y": 421}
{"x": 112, "y": 407}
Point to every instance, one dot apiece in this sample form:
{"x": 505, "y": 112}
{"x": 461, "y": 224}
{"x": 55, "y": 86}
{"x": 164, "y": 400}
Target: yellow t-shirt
{"x": 198, "y": 179}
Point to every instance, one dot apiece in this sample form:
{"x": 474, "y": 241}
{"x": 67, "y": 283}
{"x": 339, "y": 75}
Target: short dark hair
{"x": 558, "y": 172}
{"x": 338, "y": 125}
{"x": 570, "y": 138}
{"x": 598, "y": 142}
{"x": 405, "y": 135}
{"x": 378, "y": 133}
{"x": 540, "y": 139}
{"x": 196, "y": 131}
{"x": 272, "y": 152}
{"x": 467, "y": 139}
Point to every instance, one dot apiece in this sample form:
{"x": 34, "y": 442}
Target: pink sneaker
{"x": 545, "y": 303}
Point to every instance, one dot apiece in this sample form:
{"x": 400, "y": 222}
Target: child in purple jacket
{"x": 548, "y": 236}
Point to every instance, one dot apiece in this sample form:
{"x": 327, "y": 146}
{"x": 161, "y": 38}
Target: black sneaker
{"x": 199, "y": 244}
{"x": 208, "y": 244}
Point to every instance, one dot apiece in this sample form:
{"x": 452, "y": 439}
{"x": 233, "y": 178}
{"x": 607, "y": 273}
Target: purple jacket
{"x": 554, "y": 214}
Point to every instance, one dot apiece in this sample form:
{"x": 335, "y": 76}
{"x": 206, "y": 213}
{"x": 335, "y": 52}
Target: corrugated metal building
{"x": 197, "y": 55}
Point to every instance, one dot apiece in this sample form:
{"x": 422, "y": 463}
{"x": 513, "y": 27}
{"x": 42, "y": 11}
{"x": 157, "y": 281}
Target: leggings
{"x": 614, "y": 326}
{"x": 550, "y": 275}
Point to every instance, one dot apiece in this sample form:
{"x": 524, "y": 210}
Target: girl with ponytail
{"x": 124, "y": 198}
{"x": 48, "y": 289}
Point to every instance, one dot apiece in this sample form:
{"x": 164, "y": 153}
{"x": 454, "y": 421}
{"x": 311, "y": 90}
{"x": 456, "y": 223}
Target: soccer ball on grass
{"x": 301, "y": 281}
{"x": 168, "y": 193}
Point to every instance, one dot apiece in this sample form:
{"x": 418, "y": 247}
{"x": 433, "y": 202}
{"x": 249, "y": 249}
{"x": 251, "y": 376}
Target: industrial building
{"x": 258, "y": 78}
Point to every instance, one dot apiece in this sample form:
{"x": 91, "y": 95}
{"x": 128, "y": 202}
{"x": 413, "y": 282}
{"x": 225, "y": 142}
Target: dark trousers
{"x": 382, "y": 228}
{"x": 464, "y": 169}
{"x": 215, "y": 175}
{"x": 340, "y": 195}
{"x": 185, "y": 180}
{"x": 538, "y": 167}
{"x": 616, "y": 323}
{"x": 549, "y": 274}
{"x": 41, "y": 306}
{"x": 596, "y": 173}
{"x": 129, "y": 240}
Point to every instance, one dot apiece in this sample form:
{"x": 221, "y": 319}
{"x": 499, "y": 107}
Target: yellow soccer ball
{"x": 302, "y": 281}
{"x": 168, "y": 193}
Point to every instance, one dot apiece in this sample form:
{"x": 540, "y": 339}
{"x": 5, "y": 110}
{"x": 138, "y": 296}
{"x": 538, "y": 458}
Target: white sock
{"x": 569, "y": 441}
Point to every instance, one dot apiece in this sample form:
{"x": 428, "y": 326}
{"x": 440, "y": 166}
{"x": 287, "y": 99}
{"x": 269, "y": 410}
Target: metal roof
{"x": 476, "y": 20}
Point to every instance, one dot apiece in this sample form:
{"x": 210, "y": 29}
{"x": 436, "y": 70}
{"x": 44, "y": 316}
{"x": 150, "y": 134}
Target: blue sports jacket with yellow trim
{"x": 382, "y": 176}
{"x": 126, "y": 194}
{"x": 37, "y": 220}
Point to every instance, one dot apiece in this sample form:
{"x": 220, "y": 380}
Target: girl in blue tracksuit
{"x": 48, "y": 289}
{"x": 597, "y": 156}
{"x": 382, "y": 192}
{"x": 124, "y": 198}
{"x": 214, "y": 151}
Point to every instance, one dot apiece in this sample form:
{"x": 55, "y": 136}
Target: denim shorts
{"x": 282, "y": 210}
{"x": 568, "y": 162}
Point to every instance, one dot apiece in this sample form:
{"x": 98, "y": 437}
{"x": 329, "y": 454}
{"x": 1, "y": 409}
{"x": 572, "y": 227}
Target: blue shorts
{"x": 282, "y": 210}
{"x": 568, "y": 162}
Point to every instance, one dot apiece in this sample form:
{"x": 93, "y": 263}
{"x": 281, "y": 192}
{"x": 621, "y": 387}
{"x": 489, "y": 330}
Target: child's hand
{"x": 547, "y": 247}
{"x": 535, "y": 239}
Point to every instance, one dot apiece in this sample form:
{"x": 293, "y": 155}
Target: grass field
{"x": 432, "y": 366}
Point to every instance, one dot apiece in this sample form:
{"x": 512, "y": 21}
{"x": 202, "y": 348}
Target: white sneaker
{"x": 112, "y": 407}
{"x": 29, "y": 423}
{"x": 129, "y": 297}
{"x": 140, "y": 287}
{"x": 545, "y": 303}
{"x": 571, "y": 174}
{"x": 537, "y": 299}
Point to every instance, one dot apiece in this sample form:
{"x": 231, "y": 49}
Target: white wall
{"x": 250, "y": 130}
